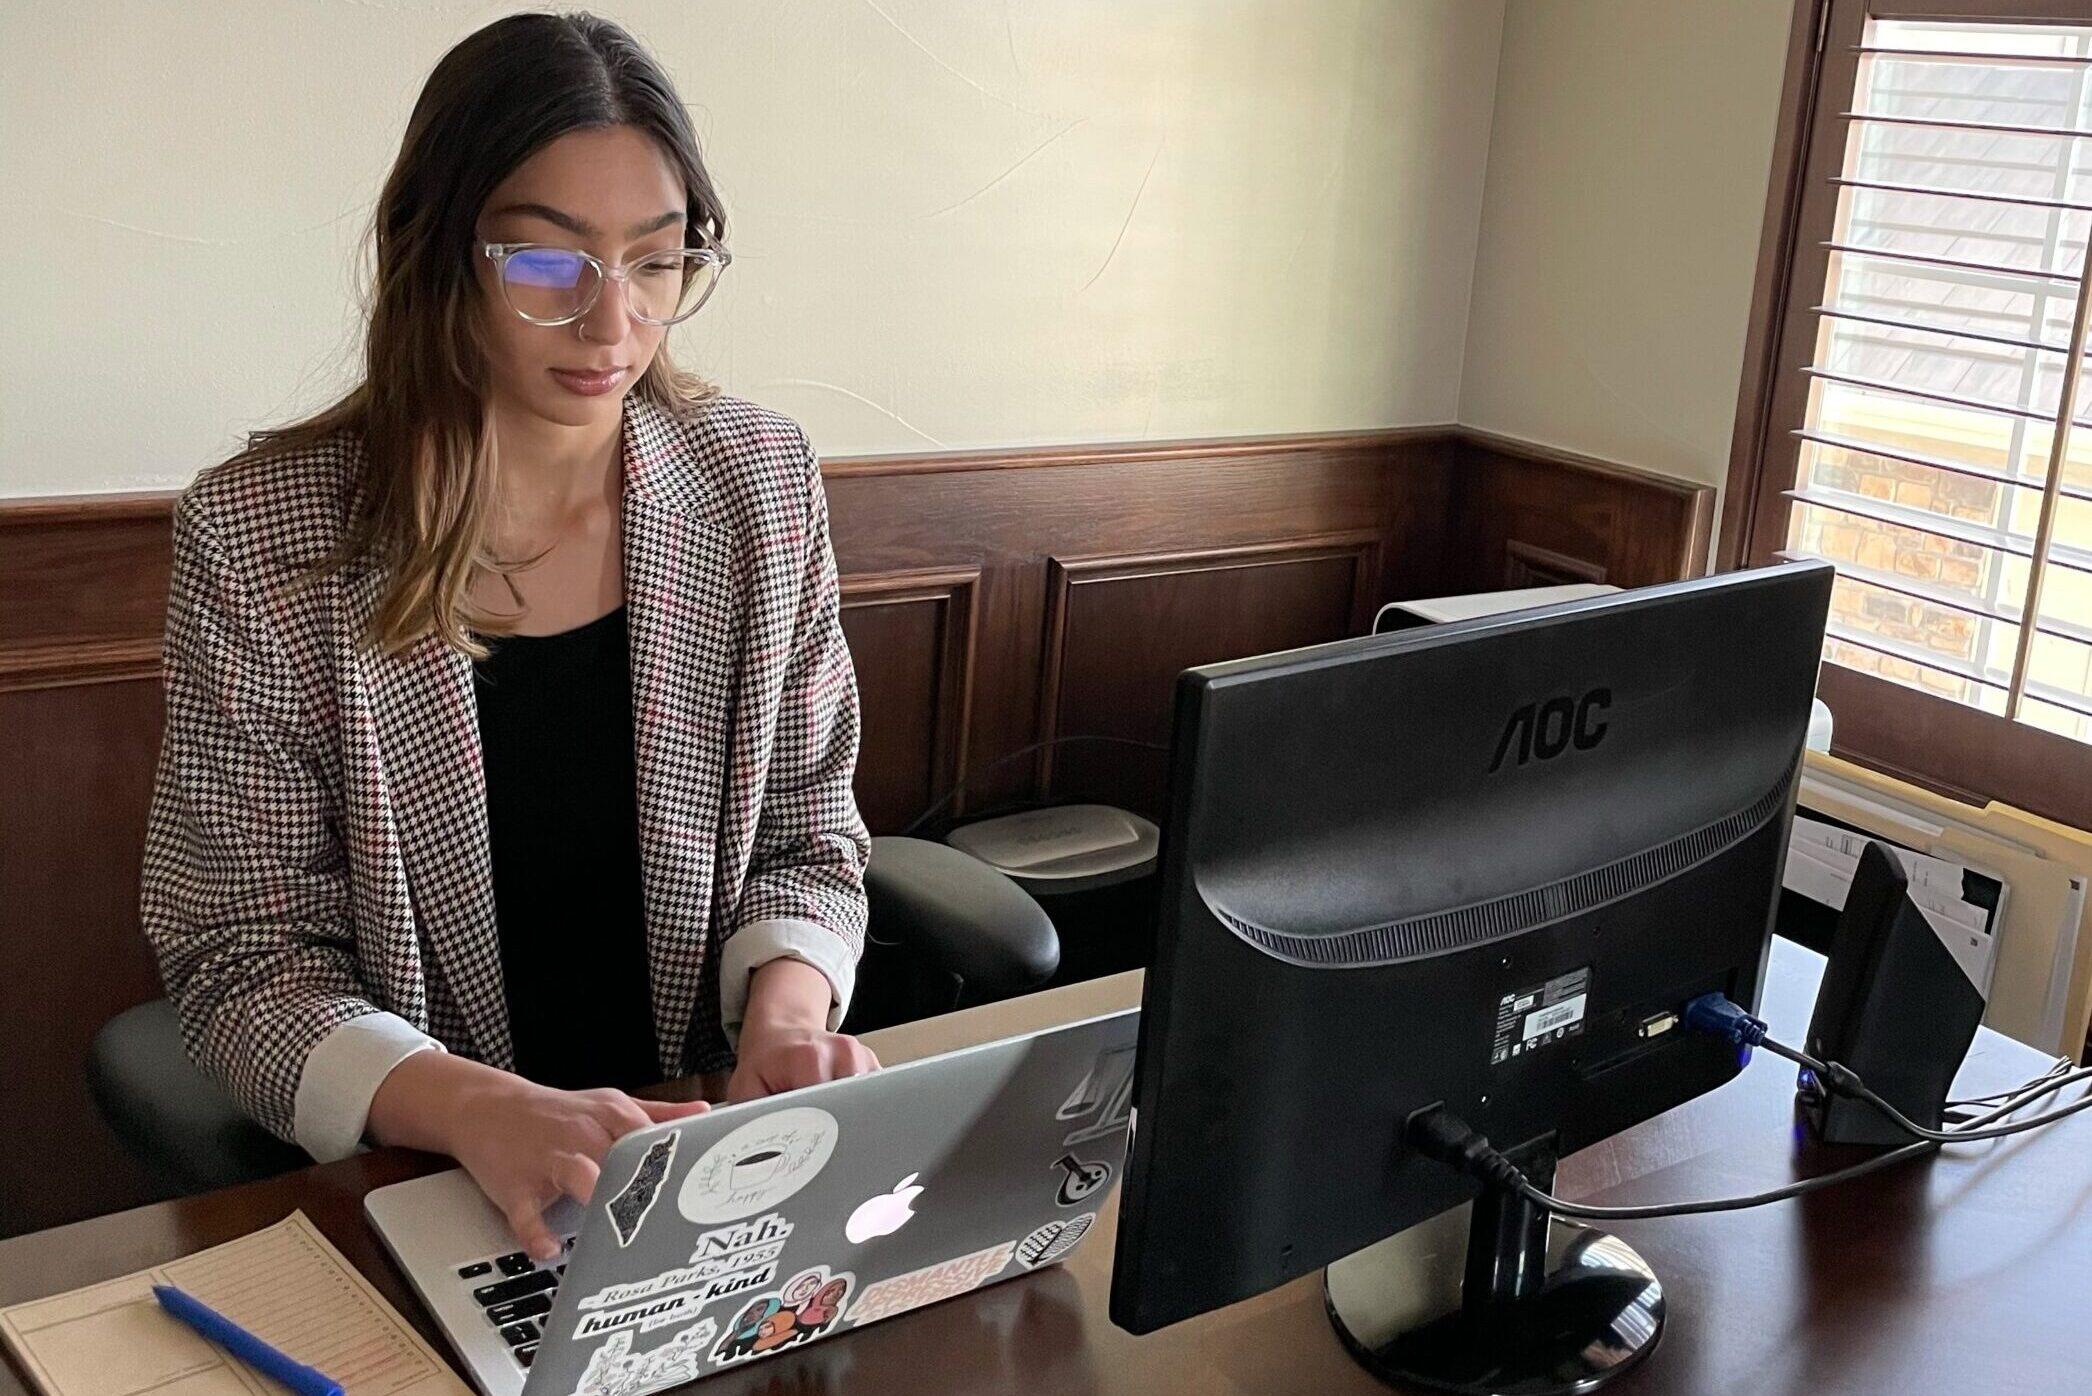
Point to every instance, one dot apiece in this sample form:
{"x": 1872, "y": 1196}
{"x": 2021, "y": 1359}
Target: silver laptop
{"x": 756, "y": 1228}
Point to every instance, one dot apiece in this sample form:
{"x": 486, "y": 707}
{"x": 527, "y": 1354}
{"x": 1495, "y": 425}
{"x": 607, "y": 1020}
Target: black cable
{"x": 1007, "y": 757}
{"x": 1446, "y": 1137}
{"x": 1837, "y": 1077}
{"x": 2060, "y": 1066}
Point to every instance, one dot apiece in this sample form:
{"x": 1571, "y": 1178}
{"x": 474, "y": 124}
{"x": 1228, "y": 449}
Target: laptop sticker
{"x": 1104, "y": 1097}
{"x": 645, "y": 1316}
{"x": 1079, "y": 1179}
{"x": 615, "y": 1370}
{"x": 1053, "y": 1240}
{"x": 804, "y": 1309}
{"x": 718, "y": 1261}
{"x": 945, "y": 1280}
{"x": 633, "y": 1201}
{"x": 884, "y": 1214}
{"x": 758, "y": 1165}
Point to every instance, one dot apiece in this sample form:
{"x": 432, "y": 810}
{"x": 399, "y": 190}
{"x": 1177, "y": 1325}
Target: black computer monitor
{"x": 1480, "y": 865}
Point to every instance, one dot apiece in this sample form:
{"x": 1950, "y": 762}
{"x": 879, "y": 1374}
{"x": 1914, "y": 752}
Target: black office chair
{"x": 945, "y": 931}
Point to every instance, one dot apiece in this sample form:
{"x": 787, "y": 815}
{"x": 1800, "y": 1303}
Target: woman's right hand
{"x": 526, "y": 1145}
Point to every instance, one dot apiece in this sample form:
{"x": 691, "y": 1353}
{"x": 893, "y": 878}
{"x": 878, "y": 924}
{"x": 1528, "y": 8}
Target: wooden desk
{"x": 1964, "y": 1273}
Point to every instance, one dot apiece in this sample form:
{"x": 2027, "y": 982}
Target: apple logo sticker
{"x": 758, "y": 1165}
{"x": 885, "y": 1214}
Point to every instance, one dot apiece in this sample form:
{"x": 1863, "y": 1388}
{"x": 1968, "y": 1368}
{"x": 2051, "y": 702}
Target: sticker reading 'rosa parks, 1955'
{"x": 1053, "y": 1240}
{"x": 615, "y": 1370}
{"x": 633, "y": 1201}
{"x": 718, "y": 1263}
{"x": 758, "y": 1165}
{"x": 806, "y": 1307}
{"x": 945, "y": 1280}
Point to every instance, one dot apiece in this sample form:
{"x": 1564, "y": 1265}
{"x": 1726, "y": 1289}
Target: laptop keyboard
{"x": 515, "y": 1293}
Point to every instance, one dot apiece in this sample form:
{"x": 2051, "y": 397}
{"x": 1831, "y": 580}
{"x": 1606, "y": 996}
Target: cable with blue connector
{"x": 1715, "y": 1015}
{"x": 1441, "y": 1135}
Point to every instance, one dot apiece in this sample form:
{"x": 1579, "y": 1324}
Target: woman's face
{"x": 608, "y": 192}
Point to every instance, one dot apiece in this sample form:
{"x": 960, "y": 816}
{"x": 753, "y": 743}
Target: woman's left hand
{"x": 785, "y": 1043}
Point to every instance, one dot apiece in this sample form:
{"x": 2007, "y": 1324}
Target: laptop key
{"x": 525, "y": 1355}
{"x": 515, "y": 1287}
{"x": 516, "y": 1310}
{"x": 517, "y": 1334}
{"x": 516, "y": 1263}
{"x": 475, "y": 1269}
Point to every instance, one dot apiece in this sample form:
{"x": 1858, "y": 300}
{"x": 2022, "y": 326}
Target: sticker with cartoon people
{"x": 615, "y": 1370}
{"x": 1079, "y": 1180}
{"x": 633, "y": 1201}
{"x": 802, "y": 1310}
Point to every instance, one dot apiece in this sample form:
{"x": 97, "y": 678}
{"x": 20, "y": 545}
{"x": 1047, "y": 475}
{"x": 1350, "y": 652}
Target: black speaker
{"x": 1896, "y": 1008}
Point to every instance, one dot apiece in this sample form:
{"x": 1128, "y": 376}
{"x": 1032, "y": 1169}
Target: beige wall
{"x": 1627, "y": 178}
{"x": 955, "y": 223}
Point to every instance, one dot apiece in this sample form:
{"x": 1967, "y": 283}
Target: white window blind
{"x": 1946, "y": 454}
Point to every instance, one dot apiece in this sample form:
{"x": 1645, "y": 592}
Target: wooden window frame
{"x": 1916, "y": 736}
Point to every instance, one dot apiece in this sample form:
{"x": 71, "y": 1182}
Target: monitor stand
{"x": 1543, "y": 1309}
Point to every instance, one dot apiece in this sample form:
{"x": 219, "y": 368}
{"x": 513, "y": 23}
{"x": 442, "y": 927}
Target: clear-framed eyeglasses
{"x": 549, "y": 285}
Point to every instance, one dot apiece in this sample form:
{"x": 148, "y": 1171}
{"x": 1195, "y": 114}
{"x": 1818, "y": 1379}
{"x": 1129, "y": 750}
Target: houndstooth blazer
{"x": 316, "y": 859}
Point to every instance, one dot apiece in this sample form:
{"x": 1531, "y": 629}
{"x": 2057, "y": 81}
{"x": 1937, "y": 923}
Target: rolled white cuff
{"x": 342, "y": 1072}
{"x": 775, "y": 938}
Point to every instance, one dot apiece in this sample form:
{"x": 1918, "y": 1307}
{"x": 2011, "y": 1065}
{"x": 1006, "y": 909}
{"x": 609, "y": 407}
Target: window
{"x": 1924, "y": 422}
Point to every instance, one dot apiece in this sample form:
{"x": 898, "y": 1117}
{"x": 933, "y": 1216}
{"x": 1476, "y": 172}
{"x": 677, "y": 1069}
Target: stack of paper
{"x": 286, "y": 1285}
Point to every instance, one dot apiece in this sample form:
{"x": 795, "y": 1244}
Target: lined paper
{"x": 287, "y": 1285}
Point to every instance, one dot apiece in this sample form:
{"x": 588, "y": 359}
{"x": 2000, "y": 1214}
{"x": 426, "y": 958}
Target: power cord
{"x": 1439, "y": 1134}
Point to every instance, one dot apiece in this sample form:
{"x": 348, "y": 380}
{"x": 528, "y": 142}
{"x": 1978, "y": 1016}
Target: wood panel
{"x": 1527, "y": 515}
{"x": 75, "y": 769}
{"x": 912, "y": 641}
{"x": 84, "y": 582}
{"x": 1160, "y": 555}
{"x": 1120, "y": 629}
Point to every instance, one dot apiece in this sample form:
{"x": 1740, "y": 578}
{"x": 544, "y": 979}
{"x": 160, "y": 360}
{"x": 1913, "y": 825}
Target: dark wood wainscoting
{"x": 994, "y": 601}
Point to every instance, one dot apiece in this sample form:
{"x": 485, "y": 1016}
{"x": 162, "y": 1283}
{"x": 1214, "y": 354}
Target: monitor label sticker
{"x": 1539, "y": 1015}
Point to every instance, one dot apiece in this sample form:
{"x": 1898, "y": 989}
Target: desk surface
{"x": 1964, "y": 1273}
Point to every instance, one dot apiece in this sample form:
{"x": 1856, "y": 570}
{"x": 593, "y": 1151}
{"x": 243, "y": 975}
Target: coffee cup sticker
{"x": 758, "y": 1165}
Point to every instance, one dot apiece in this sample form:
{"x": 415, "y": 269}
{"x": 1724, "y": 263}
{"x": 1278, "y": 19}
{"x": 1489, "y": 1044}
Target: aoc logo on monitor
{"x": 1543, "y": 731}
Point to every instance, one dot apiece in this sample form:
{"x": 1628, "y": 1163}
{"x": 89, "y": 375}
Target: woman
{"x": 510, "y": 727}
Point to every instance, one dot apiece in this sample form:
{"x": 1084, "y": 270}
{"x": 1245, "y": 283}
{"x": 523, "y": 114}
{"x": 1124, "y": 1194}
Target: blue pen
{"x": 244, "y": 1345}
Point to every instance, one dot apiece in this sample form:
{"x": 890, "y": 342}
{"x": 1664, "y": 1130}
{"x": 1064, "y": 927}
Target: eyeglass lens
{"x": 552, "y": 284}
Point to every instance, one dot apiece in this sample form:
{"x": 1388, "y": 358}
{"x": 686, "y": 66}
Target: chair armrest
{"x": 171, "y": 1117}
{"x": 956, "y": 913}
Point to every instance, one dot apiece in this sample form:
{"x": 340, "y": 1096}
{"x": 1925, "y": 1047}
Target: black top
{"x": 555, "y": 727}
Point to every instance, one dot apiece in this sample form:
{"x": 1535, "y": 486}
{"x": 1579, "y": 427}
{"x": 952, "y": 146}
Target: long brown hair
{"x": 423, "y": 506}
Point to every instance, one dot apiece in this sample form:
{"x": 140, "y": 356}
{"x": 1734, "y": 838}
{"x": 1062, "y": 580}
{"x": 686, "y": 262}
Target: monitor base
{"x": 1547, "y": 1307}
